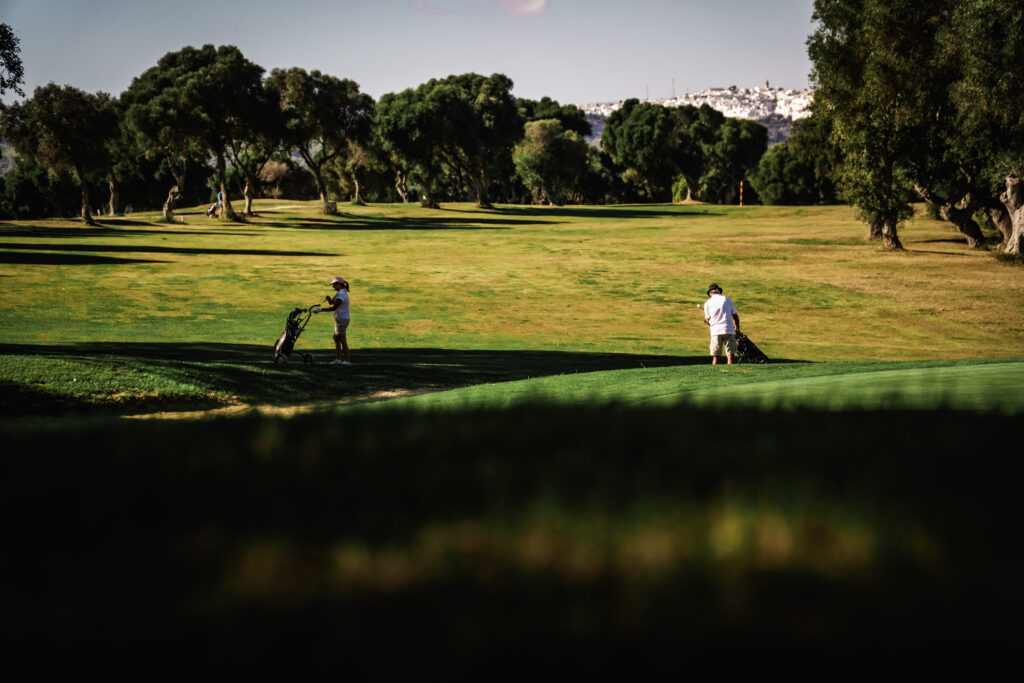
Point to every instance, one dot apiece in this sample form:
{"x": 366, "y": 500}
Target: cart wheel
{"x": 280, "y": 360}
{"x": 308, "y": 358}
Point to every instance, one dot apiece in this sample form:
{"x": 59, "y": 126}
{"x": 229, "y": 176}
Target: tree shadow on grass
{"x": 143, "y": 248}
{"x": 78, "y": 232}
{"x": 54, "y": 259}
{"x": 609, "y": 211}
{"x": 248, "y": 374}
{"x": 405, "y": 223}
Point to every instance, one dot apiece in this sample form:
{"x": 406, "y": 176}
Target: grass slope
{"x": 137, "y": 313}
{"x": 985, "y": 385}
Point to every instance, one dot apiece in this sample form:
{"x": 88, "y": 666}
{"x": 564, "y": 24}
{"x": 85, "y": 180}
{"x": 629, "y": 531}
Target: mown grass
{"x": 591, "y": 488}
{"x": 118, "y": 301}
{"x": 984, "y": 385}
{"x": 618, "y": 279}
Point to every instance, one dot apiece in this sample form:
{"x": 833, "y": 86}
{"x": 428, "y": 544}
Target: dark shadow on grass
{"x": 53, "y": 259}
{"x": 912, "y": 250}
{"x": 248, "y": 373}
{"x": 142, "y": 248}
{"x": 944, "y": 240}
{"x": 76, "y": 232}
{"x": 608, "y": 212}
{"x": 413, "y": 223}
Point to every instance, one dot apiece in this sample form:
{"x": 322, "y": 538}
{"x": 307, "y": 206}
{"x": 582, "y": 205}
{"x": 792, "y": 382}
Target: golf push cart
{"x": 297, "y": 320}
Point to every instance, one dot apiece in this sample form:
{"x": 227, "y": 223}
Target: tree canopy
{"x": 12, "y": 71}
{"x": 64, "y": 130}
{"x": 322, "y": 114}
{"x": 925, "y": 98}
{"x": 682, "y": 152}
{"x": 210, "y": 111}
{"x": 550, "y": 160}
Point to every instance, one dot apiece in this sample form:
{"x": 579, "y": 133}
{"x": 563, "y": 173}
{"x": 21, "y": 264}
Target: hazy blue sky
{"x": 575, "y": 51}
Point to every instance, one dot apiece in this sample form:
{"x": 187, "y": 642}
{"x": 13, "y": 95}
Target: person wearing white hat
{"x": 339, "y": 304}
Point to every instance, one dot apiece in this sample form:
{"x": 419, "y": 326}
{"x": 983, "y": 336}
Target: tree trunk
{"x": 961, "y": 218}
{"x": 172, "y": 201}
{"x": 875, "y": 230}
{"x": 889, "y": 237}
{"x": 964, "y": 221}
{"x": 480, "y": 189}
{"x": 730, "y": 194}
{"x": 86, "y": 211}
{"x": 248, "y": 199}
{"x": 1001, "y": 219}
{"x": 400, "y": 186}
{"x": 222, "y": 184}
{"x": 357, "y": 198}
{"x": 114, "y": 206}
{"x": 427, "y": 199}
{"x": 1013, "y": 199}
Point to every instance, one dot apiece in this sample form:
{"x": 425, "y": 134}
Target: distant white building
{"x": 777, "y": 108}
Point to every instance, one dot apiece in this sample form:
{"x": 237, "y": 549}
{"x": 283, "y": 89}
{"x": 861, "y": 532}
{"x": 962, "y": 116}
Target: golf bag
{"x": 748, "y": 351}
{"x": 296, "y": 322}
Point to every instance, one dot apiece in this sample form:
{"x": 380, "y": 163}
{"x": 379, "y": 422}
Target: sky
{"x": 574, "y": 51}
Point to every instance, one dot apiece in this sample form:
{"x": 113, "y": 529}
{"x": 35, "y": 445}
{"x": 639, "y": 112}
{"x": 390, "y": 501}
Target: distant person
{"x": 339, "y": 304}
{"x": 720, "y": 315}
{"x": 217, "y": 206}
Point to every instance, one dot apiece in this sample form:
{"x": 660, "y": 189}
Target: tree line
{"x": 925, "y": 99}
{"x": 208, "y": 120}
{"x": 914, "y": 99}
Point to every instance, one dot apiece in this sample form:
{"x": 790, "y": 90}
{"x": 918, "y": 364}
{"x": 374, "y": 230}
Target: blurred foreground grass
{"x": 536, "y": 529}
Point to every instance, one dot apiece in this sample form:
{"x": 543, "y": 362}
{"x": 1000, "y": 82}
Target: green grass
{"x": 531, "y": 454}
{"x": 984, "y": 385}
{"x": 136, "y": 314}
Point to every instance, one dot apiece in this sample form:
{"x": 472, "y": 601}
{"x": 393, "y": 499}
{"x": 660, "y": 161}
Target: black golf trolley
{"x": 748, "y": 351}
{"x": 297, "y": 320}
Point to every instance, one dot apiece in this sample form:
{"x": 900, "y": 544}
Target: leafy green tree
{"x": 570, "y": 116}
{"x": 350, "y": 169}
{"x": 322, "y": 114}
{"x": 160, "y": 115}
{"x": 12, "y": 71}
{"x": 549, "y": 160}
{"x": 867, "y": 57}
{"x": 63, "y": 129}
{"x": 682, "y": 152}
{"x": 257, "y": 137}
{"x": 987, "y": 37}
{"x": 737, "y": 148}
{"x": 420, "y": 131}
{"x": 652, "y": 145}
{"x": 801, "y": 170}
{"x": 781, "y": 178}
{"x": 479, "y": 145}
{"x": 30, "y": 191}
{"x": 925, "y": 93}
{"x": 227, "y": 91}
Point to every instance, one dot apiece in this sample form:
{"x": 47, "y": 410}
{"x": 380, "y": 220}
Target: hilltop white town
{"x": 775, "y": 108}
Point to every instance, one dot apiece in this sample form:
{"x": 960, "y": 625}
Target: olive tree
{"x": 63, "y": 129}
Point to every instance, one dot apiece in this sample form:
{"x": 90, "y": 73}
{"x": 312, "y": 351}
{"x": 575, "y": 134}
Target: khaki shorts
{"x": 340, "y": 326}
{"x": 726, "y": 340}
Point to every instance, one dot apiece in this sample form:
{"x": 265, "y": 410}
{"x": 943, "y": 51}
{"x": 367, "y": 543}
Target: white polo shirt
{"x": 719, "y": 310}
